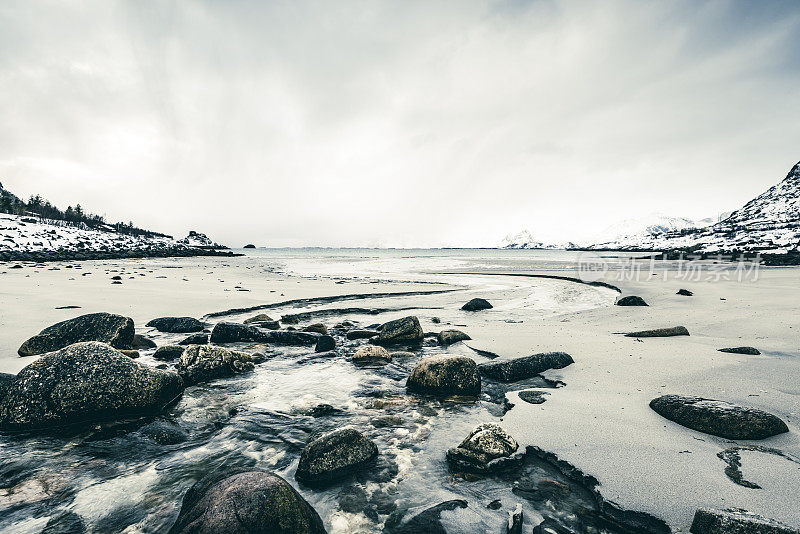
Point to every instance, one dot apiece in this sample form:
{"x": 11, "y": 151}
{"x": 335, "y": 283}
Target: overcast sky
{"x": 397, "y": 123}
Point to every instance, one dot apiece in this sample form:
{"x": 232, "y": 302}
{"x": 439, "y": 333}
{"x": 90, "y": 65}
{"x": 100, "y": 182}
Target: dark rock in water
{"x": 429, "y": 521}
{"x": 401, "y": 354}
{"x": 290, "y": 319}
{"x": 176, "y": 325}
{"x": 361, "y": 334}
{"x": 130, "y": 353}
{"x": 436, "y": 320}
{"x": 83, "y": 383}
{"x": 195, "y": 339}
{"x": 5, "y": 382}
{"x": 551, "y": 526}
{"x": 371, "y": 354}
{"x": 249, "y": 245}
{"x": 168, "y": 352}
{"x": 631, "y": 300}
{"x": 116, "y": 277}
{"x": 514, "y": 525}
{"x": 237, "y": 333}
{"x": 661, "y": 332}
{"x": 260, "y": 318}
{"x": 751, "y": 351}
{"x": 141, "y": 342}
{"x": 324, "y": 344}
{"x": 718, "y": 418}
{"x": 533, "y": 397}
{"x": 322, "y": 410}
{"x": 241, "y": 501}
{"x": 448, "y": 337}
{"x": 65, "y": 523}
{"x": 495, "y": 505}
{"x": 445, "y": 374}
{"x": 736, "y": 521}
{"x": 525, "y": 367}
{"x": 352, "y": 499}
{"x": 334, "y": 456}
{"x": 319, "y": 328}
{"x": 477, "y": 305}
{"x": 116, "y": 330}
{"x": 487, "y": 448}
{"x": 684, "y": 292}
{"x": 201, "y": 363}
{"x": 164, "y": 433}
{"x": 405, "y": 330}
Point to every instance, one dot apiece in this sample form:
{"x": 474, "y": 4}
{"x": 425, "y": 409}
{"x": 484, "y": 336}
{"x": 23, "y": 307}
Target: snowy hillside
{"x": 523, "y": 239}
{"x": 769, "y": 222}
{"x": 652, "y": 225}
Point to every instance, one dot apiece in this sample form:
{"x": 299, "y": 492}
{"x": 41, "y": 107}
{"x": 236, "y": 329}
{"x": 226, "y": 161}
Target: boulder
{"x": 319, "y": 328}
{"x": 201, "y": 363}
{"x": 660, "y": 332}
{"x": 130, "y": 353}
{"x": 260, "y": 318}
{"x": 361, "y": 334}
{"x": 115, "y": 330}
{"x": 249, "y": 245}
{"x": 684, "y": 293}
{"x": 405, "y": 330}
{"x": 5, "y": 382}
{"x": 736, "y": 521}
{"x": 533, "y": 396}
{"x": 141, "y": 342}
{"x": 448, "y": 337}
{"x": 85, "y": 383}
{"x": 195, "y": 339}
{"x": 176, "y": 325}
{"x": 334, "y": 456}
{"x": 168, "y": 353}
{"x": 325, "y": 344}
{"x": 751, "y": 351}
{"x": 718, "y": 418}
{"x": 241, "y": 501}
{"x": 164, "y": 433}
{"x": 477, "y": 305}
{"x": 238, "y": 333}
{"x": 371, "y": 354}
{"x": 525, "y": 367}
{"x": 445, "y": 374}
{"x": 631, "y": 300}
{"x": 487, "y": 448}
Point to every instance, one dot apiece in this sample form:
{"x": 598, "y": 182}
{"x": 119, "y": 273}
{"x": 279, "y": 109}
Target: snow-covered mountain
{"x": 769, "y": 222}
{"x": 523, "y": 239}
{"x": 651, "y": 225}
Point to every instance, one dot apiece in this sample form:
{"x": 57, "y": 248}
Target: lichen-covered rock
{"x": 325, "y": 344}
{"x": 84, "y": 383}
{"x": 168, "y": 353}
{"x": 115, "y": 330}
{"x": 631, "y": 300}
{"x": 750, "y": 351}
{"x": 661, "y": 332}
{"x": 5, "y": 382}
{"x": 130, "y": 353}
{"x": 371, "y": 354}
{"x": 736, "y": 521}
{"x": 244, "y": 501}
{"x": 176, "y": 325}
{"x": 448, "y": 337}
{"x": 718, "y": 418}
{"x": 238, "y": 333}
{"x": 201, "y": 363}
{"x": 487, "y": 448}
{"x": 445, "y": 374}
{"x": 195, "y": 339}
{"x": 405, "y": 330}
{"x": 525, "y": 367}
{"x": 477, "y": 305}
{"x": 334, "y": 456}
{"x": 260, "y": 318}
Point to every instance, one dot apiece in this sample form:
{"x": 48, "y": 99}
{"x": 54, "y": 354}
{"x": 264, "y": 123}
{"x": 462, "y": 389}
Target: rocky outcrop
{"x": 371, "y": 354}
{"x": 115, "y": 330}
{"x": 167, "y": 353}
{"x": 631, "y": 300}
{"x": 718, "y": 418}
{"x": 445, "y": 374}
{"x": 405, "y": 330}
{"x": 477, "y": 305}
{"x": 448, "y": 337}
{"x": 334, "y": 456}
{"x": 243, "y": 501}
{"x": 661, "y": 332}
{"x": 525, "y": 367}
{"x": 487, "y": 448}
{"x": 201, "y": 363}
{"x": 736, "y": 521}
{"x": 176, "y": 325}
{"x": 750, "y": 351}
{"x": 85, "y": 383}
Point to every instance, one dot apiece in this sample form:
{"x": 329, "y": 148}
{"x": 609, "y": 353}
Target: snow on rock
{"x": 196, "y": 239}
{"x": 523, "y": 239}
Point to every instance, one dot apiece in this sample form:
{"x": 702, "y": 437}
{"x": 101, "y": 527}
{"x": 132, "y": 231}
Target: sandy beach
{"x": 598, "y": 421}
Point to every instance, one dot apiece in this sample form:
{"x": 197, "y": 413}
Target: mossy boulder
{"x": 445, "y": 374}
{"x": 115, "y": 330}
{"x": 201, "y": 363}
{"x": 405, "y": 330}
{"x": 487, "y": 448}
{"x": 334, "y": 456}
{"x": 371, "y": 354}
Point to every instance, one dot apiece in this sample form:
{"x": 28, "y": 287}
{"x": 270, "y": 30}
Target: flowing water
{"x": 127, "y": 477}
